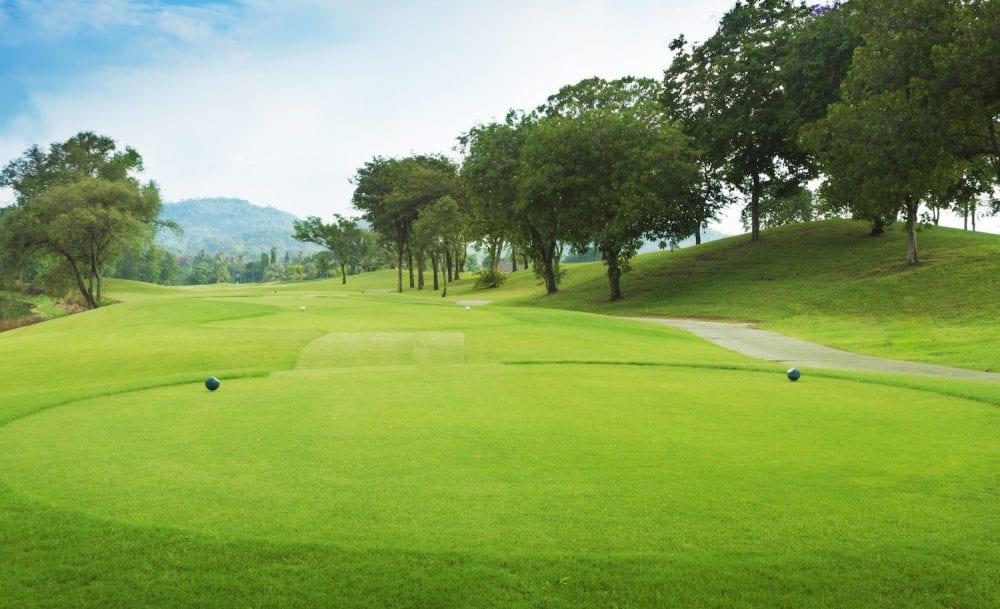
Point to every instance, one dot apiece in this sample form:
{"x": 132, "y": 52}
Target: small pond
{"x": 10, "y": 308}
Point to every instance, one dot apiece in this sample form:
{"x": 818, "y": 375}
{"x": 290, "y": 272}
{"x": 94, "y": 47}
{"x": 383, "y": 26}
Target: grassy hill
{"x": 830, "y": 282}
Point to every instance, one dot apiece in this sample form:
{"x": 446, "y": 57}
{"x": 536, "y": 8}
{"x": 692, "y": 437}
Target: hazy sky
{"x": 279, "y": 103}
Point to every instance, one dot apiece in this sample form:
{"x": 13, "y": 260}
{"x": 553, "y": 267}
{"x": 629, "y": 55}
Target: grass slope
{"x": 383, "y": 450}
{"x": 828, "y": 281}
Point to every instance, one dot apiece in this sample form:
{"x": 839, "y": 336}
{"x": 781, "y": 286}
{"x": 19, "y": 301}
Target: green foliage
{"x": 787, "y": 203}
{"x": 728, "y": 92}
{"x": 85, "y": 155}
{"x": 885, "y": 146}
{"x": 391, "y": 192}
{"x": 342, "y": 238}
{"x": 489, "y": 177}
{"x": 149, "y": 263}
{"x": 79, "y": 206}
{"x": 488, "y": 278}
{"x": 608, "y": 175}
{"x": 86, "y": 225}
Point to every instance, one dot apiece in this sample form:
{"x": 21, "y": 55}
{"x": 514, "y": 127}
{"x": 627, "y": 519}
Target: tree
{"x": 488, "y": 174}
{"x": 623, "y": 94}
{"x": 788, "y": 203}
{"x": 728, "y": 93}
{"x": 439, "y": 227}
{"x": 390, "y": 193}
{"x": 85, "y": 155}
{"x": 85, "y": 224}
{"x": 45, "y": 181}
{"x": 340, "y": 237}
{"x": 612, "y": 176}
{"x": 885, "y": 146}
{"x": 965, "y": 83}
{"x": 149, "y": 262}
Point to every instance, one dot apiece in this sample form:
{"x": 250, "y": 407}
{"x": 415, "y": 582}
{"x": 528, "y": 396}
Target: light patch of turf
{"x": 347, "y": 349}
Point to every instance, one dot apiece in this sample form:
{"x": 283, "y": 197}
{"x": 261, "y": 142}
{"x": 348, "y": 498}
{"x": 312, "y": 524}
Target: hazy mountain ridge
{"x": 229, "y": 226}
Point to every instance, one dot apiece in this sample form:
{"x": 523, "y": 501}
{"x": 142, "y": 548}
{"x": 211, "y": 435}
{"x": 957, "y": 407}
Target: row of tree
{"x": 153, "y": 264}
{"x": 893, "y": 104}
{"x": 598, "y": 165}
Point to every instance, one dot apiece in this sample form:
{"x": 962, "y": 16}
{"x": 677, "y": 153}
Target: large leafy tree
{"x": 612, "y": 177}
{"x": 391, "y": 192}
{"x": 489, "y": 169}
{"x": 728, "y": 93}
{"x": 887, "y": 145}
{"x": 340, "y": 237}
{"x": 85, "y": 224}
{"x": 966, "y": 83}
{"x": 81, "y": 204}
{"x": 86, "y": 154}
{"x": 440, "y": 229}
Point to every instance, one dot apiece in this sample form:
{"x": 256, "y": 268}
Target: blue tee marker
{"x": 212, "y": 383}
{"x": 793, "y": 374}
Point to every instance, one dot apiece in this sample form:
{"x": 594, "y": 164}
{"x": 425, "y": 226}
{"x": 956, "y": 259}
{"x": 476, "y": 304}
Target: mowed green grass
{"x": 379, "y": 450}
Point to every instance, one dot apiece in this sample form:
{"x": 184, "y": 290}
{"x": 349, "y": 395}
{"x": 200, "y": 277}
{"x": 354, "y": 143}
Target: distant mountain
{"x": 707, "y": 234}
{"x": 229, "y": 226}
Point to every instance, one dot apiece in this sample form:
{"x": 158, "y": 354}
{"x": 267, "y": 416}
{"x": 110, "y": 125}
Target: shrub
{"x": 489, "y": 278}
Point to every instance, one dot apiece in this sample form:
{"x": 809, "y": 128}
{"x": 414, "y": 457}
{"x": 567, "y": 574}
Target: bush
{"x": 490, "y": 279}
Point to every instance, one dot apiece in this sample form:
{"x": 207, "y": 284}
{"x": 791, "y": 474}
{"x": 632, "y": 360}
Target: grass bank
{"x": 829, "y": 282}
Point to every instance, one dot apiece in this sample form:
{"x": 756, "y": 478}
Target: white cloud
{"x": 287, "y": 121}
{"x": 56, "y": 19}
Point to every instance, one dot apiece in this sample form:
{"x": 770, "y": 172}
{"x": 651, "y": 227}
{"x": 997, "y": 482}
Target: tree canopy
{"x": 728, "y": 93}
{"x": 391, "y": 192}
{"x": 80, "y": 204}
{"x": 341, "y": 238}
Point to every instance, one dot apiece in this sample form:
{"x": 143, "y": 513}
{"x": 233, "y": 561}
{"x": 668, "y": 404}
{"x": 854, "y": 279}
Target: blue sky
{"x": 280, "y": 102}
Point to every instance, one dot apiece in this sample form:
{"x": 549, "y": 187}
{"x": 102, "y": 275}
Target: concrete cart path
{"x": 776, "y": 347}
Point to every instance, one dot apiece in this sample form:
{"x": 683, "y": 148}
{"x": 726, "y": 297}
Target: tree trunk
{"x": 525, "y": 259}
{"x": 444, "y": 285}
{"x": 343, "y": 274}
{"x": 459, "y": 261}
{"x": 434, "y": 268}
{"x": 409, "y": 265}
{"x": 399, "y": 268}
{"x": 614, "y": 275}
{"x": 697, "y": 235}
{"x": 88, "y": 295}
{"x": 549, "y": 270}
{"x": 513, "y": 260}
{"x": 496, "y": 252}
{"x": 447, "y": 261}
{"x": 911, "y": 230}
{"x": 878, "y": 226}
{"x": 755, "y": 209}
{"x": 420, "y": 271}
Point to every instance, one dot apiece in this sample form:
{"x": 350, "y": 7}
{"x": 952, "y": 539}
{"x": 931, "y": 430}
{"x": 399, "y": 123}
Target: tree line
{"x": 890, "y": 106}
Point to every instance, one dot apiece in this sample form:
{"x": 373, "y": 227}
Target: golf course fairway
{"x": 378, "y": 450}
